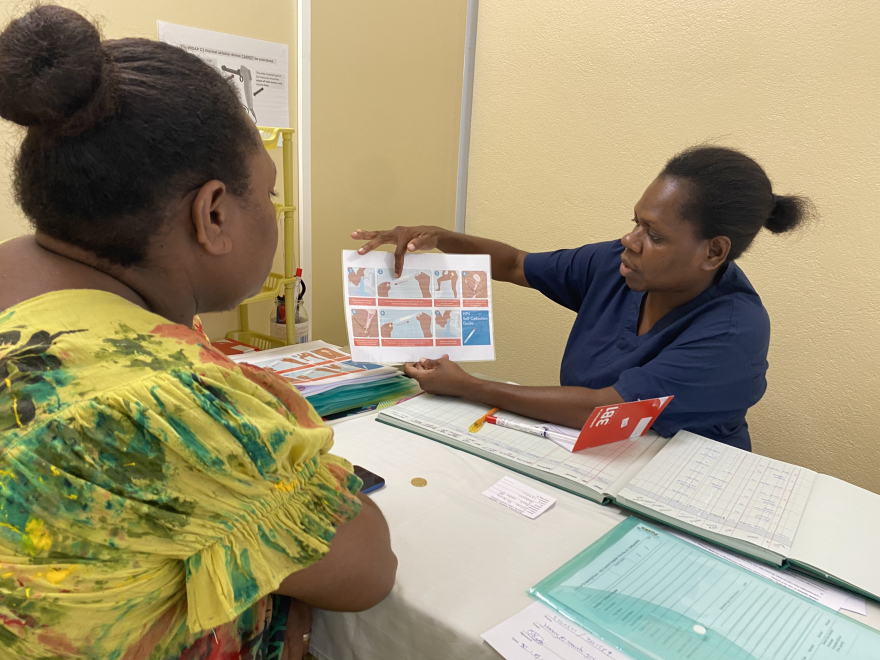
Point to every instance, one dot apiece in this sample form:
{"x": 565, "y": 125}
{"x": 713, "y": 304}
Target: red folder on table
{"x": 620, "y": 421}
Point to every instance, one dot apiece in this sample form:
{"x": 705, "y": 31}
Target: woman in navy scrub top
{"x": 664, "y": 310}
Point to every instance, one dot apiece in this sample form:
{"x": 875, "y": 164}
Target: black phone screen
{"x": 372, "y": 481}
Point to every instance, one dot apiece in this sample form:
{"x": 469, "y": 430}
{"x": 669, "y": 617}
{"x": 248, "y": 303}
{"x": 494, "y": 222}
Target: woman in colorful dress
{"x": 156, "y": 500}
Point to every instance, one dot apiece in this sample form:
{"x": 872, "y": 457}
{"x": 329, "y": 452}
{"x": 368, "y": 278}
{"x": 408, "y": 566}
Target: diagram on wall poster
{"x": 257, "y": 69}
{"x": 440, "y": 304}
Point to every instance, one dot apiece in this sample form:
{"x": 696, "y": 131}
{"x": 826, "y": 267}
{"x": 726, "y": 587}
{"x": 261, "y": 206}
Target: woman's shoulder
{"x": 733, "y": 311}
{"x": 76, "y": 348}
{"x": 84, "y": 341}
{"x": 746, "y": 301}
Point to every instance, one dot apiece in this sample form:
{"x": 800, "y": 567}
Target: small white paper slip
{"x": 540, "y": 633}
{"x": 519, "y": 497}
{"x": 855, "y": 604}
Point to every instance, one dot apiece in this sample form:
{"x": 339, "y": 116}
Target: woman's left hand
{"x": 441, "y": 376}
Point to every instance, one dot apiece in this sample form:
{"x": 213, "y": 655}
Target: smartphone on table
{"x": 372, "y": 481}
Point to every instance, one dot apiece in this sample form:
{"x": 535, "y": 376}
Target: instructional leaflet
{"x": 440, "y": 305}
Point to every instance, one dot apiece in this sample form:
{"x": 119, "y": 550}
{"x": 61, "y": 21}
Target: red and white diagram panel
{"x": 440, "y": 305}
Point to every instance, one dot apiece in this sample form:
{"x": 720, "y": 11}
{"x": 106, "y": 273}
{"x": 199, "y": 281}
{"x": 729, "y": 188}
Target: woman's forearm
{"x": 567, "y": 406}
{"x": 507, "y": 261}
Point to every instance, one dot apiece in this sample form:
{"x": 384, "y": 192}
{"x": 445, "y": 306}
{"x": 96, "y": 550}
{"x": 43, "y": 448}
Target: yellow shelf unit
{"x": 270, "y": 288}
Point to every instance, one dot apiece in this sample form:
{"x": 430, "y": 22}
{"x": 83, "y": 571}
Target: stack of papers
{"x": 328, "y": 377}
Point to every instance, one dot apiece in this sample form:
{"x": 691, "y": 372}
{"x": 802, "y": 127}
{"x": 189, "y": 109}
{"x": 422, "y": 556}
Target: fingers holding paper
{"x": 441, "y": 376}
{"x": 407, "y": 239}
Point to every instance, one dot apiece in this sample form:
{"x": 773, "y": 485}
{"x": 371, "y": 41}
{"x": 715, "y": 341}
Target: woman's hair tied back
{"x": 54, "y": 72}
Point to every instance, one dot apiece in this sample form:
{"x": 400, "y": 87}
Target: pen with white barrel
{"x": 542, "y": 431}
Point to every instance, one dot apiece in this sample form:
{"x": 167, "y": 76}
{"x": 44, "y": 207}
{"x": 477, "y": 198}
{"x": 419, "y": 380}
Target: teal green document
{"x": 346, "y": 397}
{"x": 656, "y": 597}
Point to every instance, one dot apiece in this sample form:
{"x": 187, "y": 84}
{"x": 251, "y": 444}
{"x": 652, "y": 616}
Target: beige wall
{"x": 386, "y": 106}
{"x": 270, "y": 20}
{"x": 576, "y": 107}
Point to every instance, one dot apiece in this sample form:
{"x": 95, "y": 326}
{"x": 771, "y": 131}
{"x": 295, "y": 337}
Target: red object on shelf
{"x": 232, "y": 347}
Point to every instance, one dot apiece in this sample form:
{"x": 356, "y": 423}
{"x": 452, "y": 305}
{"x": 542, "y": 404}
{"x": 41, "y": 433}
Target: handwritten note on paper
{"x": 540, "y": 633}
{"x": 836, "y": 599}
{"x": 519, "y": 497}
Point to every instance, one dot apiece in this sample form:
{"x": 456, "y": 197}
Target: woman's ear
{"x": 716, "y": 255}
{"x": 210, "y": 217}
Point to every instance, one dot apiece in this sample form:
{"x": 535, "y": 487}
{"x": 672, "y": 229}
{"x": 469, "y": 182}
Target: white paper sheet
{"x": 259, "y": 69}
{"x": 539, "y": 633}
{"x": 855, "y": 604}
{"x": 725, "y": 490}
{"x": 518, "y": 497}
{"x": 836, "y": 599}
{"x": 441, "y": 304}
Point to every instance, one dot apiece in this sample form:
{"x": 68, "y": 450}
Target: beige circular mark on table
{"x": 418, "y": 482}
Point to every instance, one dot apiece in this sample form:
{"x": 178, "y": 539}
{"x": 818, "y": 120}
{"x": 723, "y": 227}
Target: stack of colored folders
{"x": 357, "y": 396}
{"x": 328, "y": 378}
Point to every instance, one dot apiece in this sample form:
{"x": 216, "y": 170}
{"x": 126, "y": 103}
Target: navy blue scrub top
{"x": 710, "y": 354}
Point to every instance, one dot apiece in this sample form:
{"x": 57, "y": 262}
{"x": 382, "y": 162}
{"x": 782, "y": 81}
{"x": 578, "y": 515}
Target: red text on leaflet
{"x": 446, "y": 303}
{"x": 364, "y": 302}
{"x": 474, "y": 303}
{"x": 407, "y": 342}
{"x": 448, "y": 342}
{"x": 366, "y": 342}
{"x": 402, "y": 302}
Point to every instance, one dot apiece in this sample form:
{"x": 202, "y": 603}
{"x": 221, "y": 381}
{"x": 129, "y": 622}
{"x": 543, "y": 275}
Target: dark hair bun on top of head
{"x": 53, "y": 71}
{"x": 788, "y": 213}
{"x": 105, "y": 153}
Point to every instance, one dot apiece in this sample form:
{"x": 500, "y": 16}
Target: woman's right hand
{"x": 407, "y": 239}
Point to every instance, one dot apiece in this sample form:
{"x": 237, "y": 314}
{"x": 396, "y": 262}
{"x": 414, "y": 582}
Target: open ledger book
{"x": 780, "y": 513}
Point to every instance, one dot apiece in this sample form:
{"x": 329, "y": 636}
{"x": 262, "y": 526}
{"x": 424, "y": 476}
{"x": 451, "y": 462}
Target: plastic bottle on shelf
{"x": 302, "y": 317}
{"x": 278, "y": 318}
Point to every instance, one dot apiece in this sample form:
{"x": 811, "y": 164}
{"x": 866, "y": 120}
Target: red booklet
{"x": 620, "y": 421}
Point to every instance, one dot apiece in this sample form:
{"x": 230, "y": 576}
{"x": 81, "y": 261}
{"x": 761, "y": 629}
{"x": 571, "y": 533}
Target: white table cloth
{"x": 465, "y": 562}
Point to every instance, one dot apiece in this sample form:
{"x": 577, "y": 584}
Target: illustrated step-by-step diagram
{"x": 440, "y": 305}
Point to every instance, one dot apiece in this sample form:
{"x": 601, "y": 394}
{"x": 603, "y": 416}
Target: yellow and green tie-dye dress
{"x": 152, "y": 493}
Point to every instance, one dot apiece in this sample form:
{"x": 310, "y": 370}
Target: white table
{"x": 465, "y": 562}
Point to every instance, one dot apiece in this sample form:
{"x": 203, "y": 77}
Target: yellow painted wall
{"x": 269, "y": 20}
{"x": 386, "y": 106}
{"x": 578, "y": 104}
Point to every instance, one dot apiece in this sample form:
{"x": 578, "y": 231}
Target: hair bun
{"x": 789, "y": 212}
{"x": 52, "y": 66}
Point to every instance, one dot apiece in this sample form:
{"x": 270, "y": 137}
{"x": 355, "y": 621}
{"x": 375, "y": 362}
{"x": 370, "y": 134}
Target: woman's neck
{"x": 657, "y": 304}
{"x": 34, "y": 265}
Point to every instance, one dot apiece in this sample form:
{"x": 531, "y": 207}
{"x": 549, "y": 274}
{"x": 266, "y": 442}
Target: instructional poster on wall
{"x": 440, "y": 305}
{"x": 258, "y": 69}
